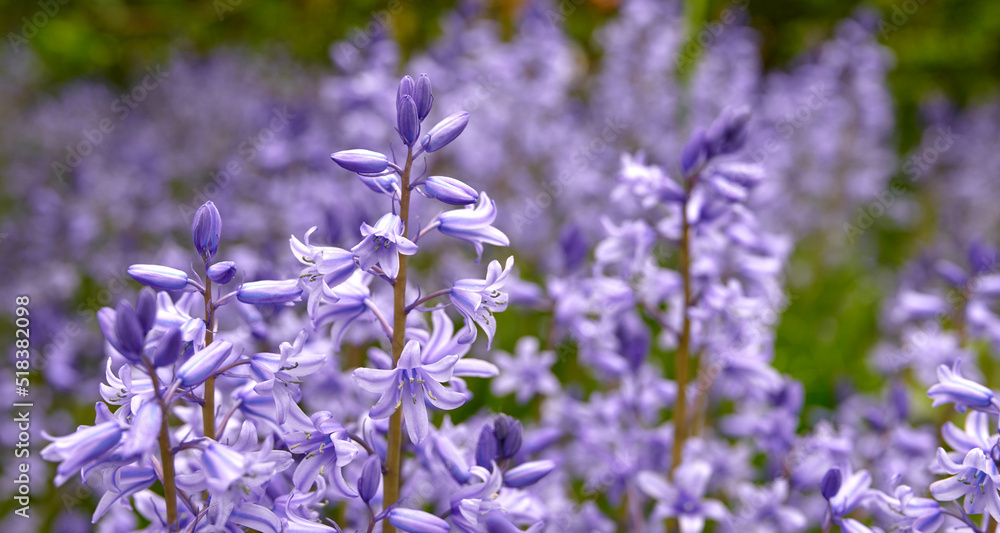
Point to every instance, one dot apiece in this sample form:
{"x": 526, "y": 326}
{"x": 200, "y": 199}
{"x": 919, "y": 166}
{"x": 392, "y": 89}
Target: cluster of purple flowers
{"x": 655, "y": 219}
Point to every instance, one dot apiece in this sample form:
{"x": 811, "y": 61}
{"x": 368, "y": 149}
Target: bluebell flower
{"x": 976, "y": 479}
{"x": 854, "y": 489}
{"x": 449, "y": 190}
{"x": 269, "y": 292}
{"x": 684, "y": 499}
{"x": 413, "y": 521}
{"x": 473, "y": 225}
{"x": 452, "y": 459}
{"x": 206, "y": 231}
{"x": 125, "y": 482}
{"x": 128, "y": 331}
{"x": 361, "y": 161}
{"x": 326, "y": 449}
{"x": 221, "y": 272}
{"x": 964, "y": 393}
{"x": 84, "y": 448}
{"x": 423, "y": 96}
{"x": 407, "y": 122}
{"x": 695, "y": 152}
{"x": 407, "y": 385}
{"x": 445, "y": 131}
{"x": 343, "y": 308}
{"x": 143, "y": 431}
{"x": 528, "y": 473}
{"x": 370, "y": 479}
{"x": 203, "y": 363}
{"x": 382, "y": 244}
{"x": 159, "y": 277}
{"x": 477, "y": 300}
{"x": 728, "y": 132}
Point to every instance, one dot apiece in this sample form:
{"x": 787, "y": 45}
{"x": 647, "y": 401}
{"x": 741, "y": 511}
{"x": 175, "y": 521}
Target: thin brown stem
{"x": 208, "y": 408}
{"x": 166, "y": 453}
{"x": 393, "y": 455}
{"x": 683, "y": 356}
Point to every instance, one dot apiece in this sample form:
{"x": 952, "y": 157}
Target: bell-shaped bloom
{"x": 413, "y": 521}
{"x": 487, "y": 448}
{"x": 269, "y": 292}
{"x": 478, "y": 299}
{"x": 528, "y": 473}
{"x": 407, "y": 121}
{"x": 361, "y": 161}
{"x": 445, "y": 131}
{"x": 370, "y": 479}
{"x": 82, "y": 449}
{"x": 684, "y": 499}
{"x": 206, "y": 230}
{"x": 509, "y": 434}
{"x": 976, "y": 478}
{"x": 168, "y": 347}
{"x": 145, "y": 429}
{"x": 853, "y": 491}
{"x": 473, "y": 225}
{"x": 387, "y": 182}
{"x": 452, "y": 459}
{"x": 964, "y": 393}
{"x": 341, "y": 309}
{"x": 450, "y": 190}
{"x": 222, "y": 272}
{"x": 334, "y": 265}
{"x": 203, "y": 364}
{"x": 423, "y": 96}
{"x": 123, "y": 482}
{"x": 407, "y": 385}
{"x": 327, "y": 448}
{"x": 382, "y": 244}
{"x": 159, "y": 277}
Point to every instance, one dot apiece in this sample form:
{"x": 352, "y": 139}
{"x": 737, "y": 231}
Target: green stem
{"x": 166, "y": 453}
{"x": 682, "y": 358}
{"x": 393, "y": 459}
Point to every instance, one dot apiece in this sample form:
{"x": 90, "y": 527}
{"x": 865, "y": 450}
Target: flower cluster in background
{"x": 345, "y": 347}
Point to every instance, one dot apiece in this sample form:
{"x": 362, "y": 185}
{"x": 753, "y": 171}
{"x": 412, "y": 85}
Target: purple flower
{"x": 473, "y": 225}
{"x": 407, "y": 122}
{"x": 964, "y": 393}
{"x": 407, "y": 385}
{"x": 449, "y": 190}
{"x": 222, "y": 272}
{"x": 423, "y": 96}
{"x": 445, "y": 131}
{"x": 976, "y": 478}
{"x": 361, "y": 161}
{"x": 370, "y": 479}
{"x": 413, "y": 521}
{"x": 382, "y": 245}
{"x": 528, "y": 473}
{"x": 203, "y": 364}
{"x": 477, "y": 300}
{"x": 327, "y": 449}
{"x": 206, "y": 231}
{"x": 82, "y": 449}
{"x": 527, "y": 373}
{"x": 159, "y": 277}
{"x": 684, "y": 499}
{"x": 269, "y": 292}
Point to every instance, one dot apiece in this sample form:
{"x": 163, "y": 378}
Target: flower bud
{"x": 450, "y": 190}
{"x": 371, "y": 475}
{"x": 694, "y": 152}
{"x": 269, "y": 292}
{"x": 413, "y": 521}
{"x": 222, "y": 272}
{"x": 361, "y": 161}
{"x": 423, "y": 96}
{"x": 452, "y": 459}
{"x": 528, "y": 473}
{"x": 128, "y": 329}
{"x": 168, "y": 348}
{"x": 203, "y": 364}
{"x": 159, "y": 277}
{"x": 445, "y": 131}
{"x": 486, "y": 450}
{"x": 831, "y": 483}
{"x": 382, "y": 183}
{"x": 206, "y": 230}
{"x": 406, "y": 88}
{"x": 406, "y": 120}
{"x": 145, "y": 308}
{"x": 508, "y": 433}
{"x": 728, "y": 133}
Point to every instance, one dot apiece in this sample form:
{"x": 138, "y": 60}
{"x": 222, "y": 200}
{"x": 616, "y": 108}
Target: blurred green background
{"x": 948, "y": 49}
